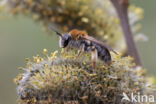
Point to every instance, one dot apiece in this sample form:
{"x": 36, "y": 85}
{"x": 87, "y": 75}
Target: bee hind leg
{"x": 94, "y": 58}
{"x": 80, "y": 51}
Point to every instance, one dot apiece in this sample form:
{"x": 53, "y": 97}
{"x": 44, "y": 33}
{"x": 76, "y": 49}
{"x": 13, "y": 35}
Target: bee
{"x": 81, "y": 40}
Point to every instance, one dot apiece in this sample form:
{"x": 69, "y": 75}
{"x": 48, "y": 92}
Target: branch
{"x": 121, "y": 7}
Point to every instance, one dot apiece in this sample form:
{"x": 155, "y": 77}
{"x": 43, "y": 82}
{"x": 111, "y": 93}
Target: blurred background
{"x": 21, "y": 37}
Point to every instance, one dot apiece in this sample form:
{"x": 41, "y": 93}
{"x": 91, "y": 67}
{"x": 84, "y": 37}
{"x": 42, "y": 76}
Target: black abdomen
{"x": 103, "y": 53}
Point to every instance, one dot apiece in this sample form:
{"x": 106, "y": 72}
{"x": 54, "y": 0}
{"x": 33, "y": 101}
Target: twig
{"x": 121, "y": 7}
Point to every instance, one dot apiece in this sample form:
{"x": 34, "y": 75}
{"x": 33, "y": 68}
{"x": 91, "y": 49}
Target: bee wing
{"x": 99, "y": 42}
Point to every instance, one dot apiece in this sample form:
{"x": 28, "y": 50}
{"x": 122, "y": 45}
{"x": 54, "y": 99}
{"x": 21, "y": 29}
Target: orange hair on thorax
{"x": 77, "y": 33}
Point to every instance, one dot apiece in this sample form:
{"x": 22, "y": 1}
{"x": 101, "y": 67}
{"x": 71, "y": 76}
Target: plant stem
{"x": 121, "y": 7}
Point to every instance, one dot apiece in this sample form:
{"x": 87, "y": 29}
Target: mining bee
{"x": 81, "y": 40}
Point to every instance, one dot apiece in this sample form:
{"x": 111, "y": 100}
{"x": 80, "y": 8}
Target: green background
{"x": 21, "y": 37}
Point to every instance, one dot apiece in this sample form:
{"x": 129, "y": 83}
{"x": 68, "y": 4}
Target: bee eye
{"x": 65, "y": 43}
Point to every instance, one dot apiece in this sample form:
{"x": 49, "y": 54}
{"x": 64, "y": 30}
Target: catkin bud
{"x": 59, "y": 78}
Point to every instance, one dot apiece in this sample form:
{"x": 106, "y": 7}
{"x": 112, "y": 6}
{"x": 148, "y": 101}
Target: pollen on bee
{"x": 93, "y": 47}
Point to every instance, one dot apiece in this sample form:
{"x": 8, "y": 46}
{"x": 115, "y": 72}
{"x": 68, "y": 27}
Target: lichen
{"x": 61, "y": 78}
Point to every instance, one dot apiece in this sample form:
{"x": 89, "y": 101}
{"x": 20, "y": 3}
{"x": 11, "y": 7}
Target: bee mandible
{"x": 81, "y": 40}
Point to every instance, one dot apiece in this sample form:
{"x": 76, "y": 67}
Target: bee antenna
{"x": 58, "y": 33}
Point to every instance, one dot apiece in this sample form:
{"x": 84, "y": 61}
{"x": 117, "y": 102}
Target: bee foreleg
{"x": 67, "y": 49}
{"x": 94, "y": 57}
{"x": 80, "y": 51}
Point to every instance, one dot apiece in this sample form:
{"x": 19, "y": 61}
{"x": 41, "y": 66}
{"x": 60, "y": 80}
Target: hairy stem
{"x": 121, "y": 7}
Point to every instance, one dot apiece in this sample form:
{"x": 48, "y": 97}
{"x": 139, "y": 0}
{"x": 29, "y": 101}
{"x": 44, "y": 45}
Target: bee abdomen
{"x": 103, "y": 54}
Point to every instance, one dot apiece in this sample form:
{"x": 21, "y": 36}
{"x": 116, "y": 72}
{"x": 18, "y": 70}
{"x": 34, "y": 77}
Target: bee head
{"x": 64, "y": 40}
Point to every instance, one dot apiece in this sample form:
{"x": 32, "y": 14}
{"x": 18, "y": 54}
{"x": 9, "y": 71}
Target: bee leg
{"x": 81, "y": 51}
{"x": 94, "y": 57}
{"x": 66, "y": 49}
